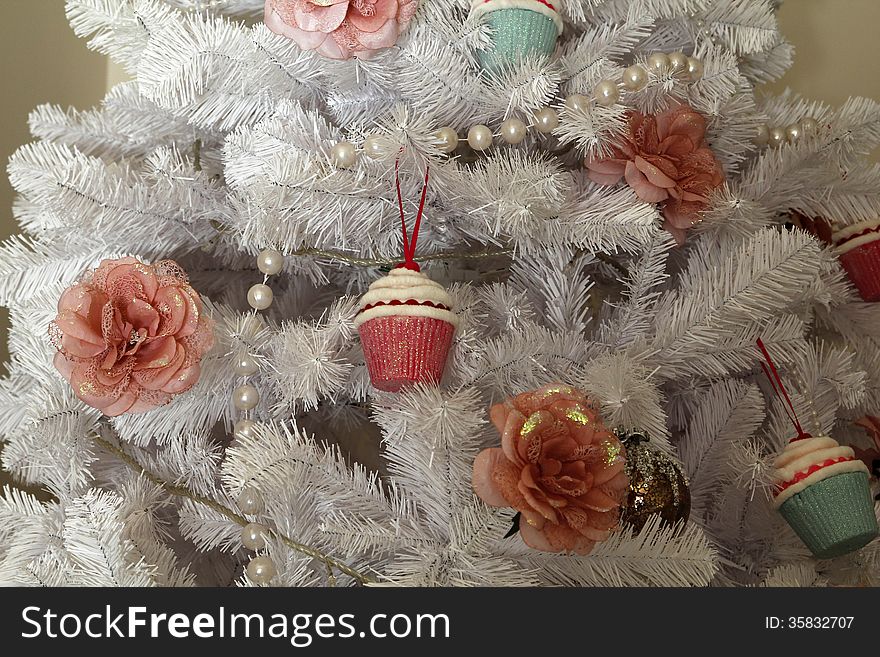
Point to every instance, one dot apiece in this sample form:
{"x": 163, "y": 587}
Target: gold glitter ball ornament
{"x": 656, "y": 485}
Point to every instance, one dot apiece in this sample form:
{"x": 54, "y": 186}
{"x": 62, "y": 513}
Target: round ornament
{"x": 657, "y": 486}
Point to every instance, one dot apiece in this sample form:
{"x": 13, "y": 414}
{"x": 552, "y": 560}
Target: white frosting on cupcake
{"x": 845, "y": 240}
{"x": 799, "y": 456}
{"x": 393, "y": 293}
{"x": 548, "y": 8}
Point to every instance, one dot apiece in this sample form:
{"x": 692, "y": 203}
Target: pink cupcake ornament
{"x": 406, "y": 321}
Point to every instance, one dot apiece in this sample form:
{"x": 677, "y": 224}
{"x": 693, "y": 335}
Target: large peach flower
{"x": 558, "y": 465}
{"x": 340, "y": 29}
{"x": 130, "y": 335}
{"x": 665, "y": 159}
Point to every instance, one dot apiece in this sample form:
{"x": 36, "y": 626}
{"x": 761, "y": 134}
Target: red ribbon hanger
{"x": 778, "y": 387}
{"x": 409, "y": 246}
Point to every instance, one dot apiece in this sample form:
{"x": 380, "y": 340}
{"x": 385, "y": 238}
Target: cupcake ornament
{"x": 520, "y": 29}
{"x": 858, "y": 248}
{"x": 821, "y": 488}
{"x": 406, "y": 322}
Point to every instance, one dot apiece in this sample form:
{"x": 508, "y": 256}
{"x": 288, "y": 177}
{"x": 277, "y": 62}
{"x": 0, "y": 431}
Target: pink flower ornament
{"x": 340, "y": 29}
{"x": 130, "y": 335}
{"x": 665, "y": 159}
{"x": 558, "y": 465}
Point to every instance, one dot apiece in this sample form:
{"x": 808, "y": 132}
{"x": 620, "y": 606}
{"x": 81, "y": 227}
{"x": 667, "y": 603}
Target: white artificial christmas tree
{"x": 231, "y": 141}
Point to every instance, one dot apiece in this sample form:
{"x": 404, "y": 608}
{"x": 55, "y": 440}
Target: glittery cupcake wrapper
{"x": 401, "y": 350}
{"x": 834, "y": 516}
{"x": 517, "y": 34}
{"x": 863, "y": 266}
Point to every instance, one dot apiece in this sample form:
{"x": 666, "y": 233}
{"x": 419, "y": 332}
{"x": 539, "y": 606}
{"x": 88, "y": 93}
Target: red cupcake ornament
{"x": 406, "y": 322}
{"x": 858, "y": 248}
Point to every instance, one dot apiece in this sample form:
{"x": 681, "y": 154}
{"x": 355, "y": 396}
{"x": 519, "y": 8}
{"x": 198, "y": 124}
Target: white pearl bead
{"x": 606, "y": 93}
{"x": 777, "y": 137}
{"x": 260, "y": 296}
{"x": 577, "y": 102}
{"x": 513, "y": 131}
{"x": 377, "y": 146}
{"x": 678, "y": 61}
{"x": 763, "y": 136}
{"x": 244, "y": 428}
{"x": 809, "y": 125}
{"x": 793, "y": 132}
{"x": 343, "y": 154}
{"x": 635, "y": 78}
{"x": 446, "y": 139}
{"x": 694, "y": 68}
{"x": 479, "y": 137}
{"x": 245, "y": 397}
{"x": 659, "y": 63}
{"x": 253, "y": 536}
{"x": 246, "y": 365}
{"x": 261, "y": 570}
{"x": 270, "y": 262}
{"x": 546, "y": 120}
{"x": 250, "y": 501}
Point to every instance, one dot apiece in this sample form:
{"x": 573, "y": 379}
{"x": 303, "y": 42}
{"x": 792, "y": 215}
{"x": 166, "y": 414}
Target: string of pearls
{"x": 775, "y": 136}
{"x": 545, "y": 120}
{"x": 261, "y": 569}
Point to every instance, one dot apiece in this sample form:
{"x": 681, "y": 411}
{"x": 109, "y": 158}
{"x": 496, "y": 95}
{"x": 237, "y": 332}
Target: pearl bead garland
{"x": 479, "y": 137}
{"x": 270, "y": 262}
{"x": 253, "y": 536}
{"x": 635, "y": 78}
{"x": 246, "y": 397}
{"x": 659, "y": 63}
{"x": 546, "y": 120}
{"x": 245, "y": 365}
{"x": 343, "y": 154}
{"x": 250, "y": 501}
{"x": 261, "y": 570}
{"x": 244, "y": 428}
{"x": 606, "y": 93}
{"x": 446, "y": 139}
{"x": 776, "y": 136}
{"x": 513, "y": 131}
{"x": 260, "y": 296}
{"x": 577, "y": 102}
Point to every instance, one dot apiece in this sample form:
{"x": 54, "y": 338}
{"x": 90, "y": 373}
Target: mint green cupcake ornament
{"x": 520, "y": 29}
{"x": 821, "y": 488}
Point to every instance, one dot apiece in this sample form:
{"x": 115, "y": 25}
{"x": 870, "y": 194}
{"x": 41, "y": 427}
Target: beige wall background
{"x": 42, "y": 61}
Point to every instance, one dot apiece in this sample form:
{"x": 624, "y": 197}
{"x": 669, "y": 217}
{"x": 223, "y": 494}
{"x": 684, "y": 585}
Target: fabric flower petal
{"x": 130, "y": 335}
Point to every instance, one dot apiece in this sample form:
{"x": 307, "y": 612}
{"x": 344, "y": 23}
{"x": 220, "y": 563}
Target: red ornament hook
{"x": 409, "y": 246}
{"x": 778, "y": 387}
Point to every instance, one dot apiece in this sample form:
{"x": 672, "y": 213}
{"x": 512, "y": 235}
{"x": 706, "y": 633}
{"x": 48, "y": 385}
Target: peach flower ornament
{"x": 340, "y": 29}
{"x": 130, "y": 335}
{"x": 665, "y": 159}
{"x": 558, "y": 465}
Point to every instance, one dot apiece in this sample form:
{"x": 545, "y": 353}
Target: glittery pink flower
{"x": 340, "y": 29}
{"x": 130, "y": 335}
{"x": 665, "y": 160}
{"x": 558, "y": 465}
